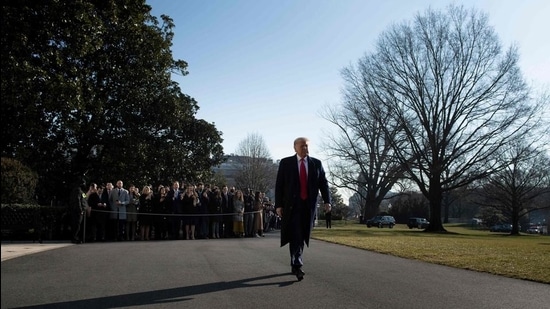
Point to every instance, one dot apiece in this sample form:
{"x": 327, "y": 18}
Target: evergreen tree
{"x": 87, "y": 90}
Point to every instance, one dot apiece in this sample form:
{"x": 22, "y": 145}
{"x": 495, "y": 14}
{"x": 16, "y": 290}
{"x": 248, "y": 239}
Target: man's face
{"x": 119, "y": 184}
{"x": 301, "y": 147}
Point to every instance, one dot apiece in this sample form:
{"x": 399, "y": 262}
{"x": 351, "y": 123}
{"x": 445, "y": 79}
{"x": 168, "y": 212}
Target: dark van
{"x": 420, "y": 223}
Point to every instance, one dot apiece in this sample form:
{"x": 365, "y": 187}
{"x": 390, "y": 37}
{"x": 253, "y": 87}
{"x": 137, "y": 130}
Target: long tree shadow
{"x": 165, "y": 296}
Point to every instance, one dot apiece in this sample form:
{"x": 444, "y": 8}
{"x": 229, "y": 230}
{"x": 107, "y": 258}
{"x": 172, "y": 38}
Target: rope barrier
{"x": 176, "y": 214}
{"x": 161, "y": 214}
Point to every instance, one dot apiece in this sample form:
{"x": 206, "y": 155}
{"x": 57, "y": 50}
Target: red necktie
{"x": 303, "y": 180}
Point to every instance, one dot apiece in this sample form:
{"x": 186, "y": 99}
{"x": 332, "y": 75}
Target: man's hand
{"x": 327, "y": 207}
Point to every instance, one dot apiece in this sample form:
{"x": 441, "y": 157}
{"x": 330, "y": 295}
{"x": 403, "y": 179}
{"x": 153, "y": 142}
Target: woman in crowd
{"x": 238, "y": 210}
{"x": 190, "y": 200}
{"x": 160, "y": 207}
{"x": 258, "y": 214}
{"x": 145, "y": 213}
{"x": 215, "y": 209}
{"x": 132, "y": 213}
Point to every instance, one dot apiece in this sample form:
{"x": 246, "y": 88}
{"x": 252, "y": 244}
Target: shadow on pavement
{"x": 166, "y": 296}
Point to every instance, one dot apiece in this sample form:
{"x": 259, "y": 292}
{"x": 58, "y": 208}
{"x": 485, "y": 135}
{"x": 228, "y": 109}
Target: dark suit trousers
{"x": 297, "y": 225}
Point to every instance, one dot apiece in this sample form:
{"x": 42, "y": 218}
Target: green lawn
{"x": 524, "y": 257}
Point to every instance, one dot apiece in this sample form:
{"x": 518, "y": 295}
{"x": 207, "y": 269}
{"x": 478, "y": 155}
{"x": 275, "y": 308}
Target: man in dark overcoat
{"x": 300, "y": 178}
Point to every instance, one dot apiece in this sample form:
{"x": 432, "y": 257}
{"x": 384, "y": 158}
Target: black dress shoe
{"x": 298, "y": 272}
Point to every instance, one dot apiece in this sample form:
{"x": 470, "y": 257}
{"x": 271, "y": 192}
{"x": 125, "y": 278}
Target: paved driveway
{"x": 247, "y": 273}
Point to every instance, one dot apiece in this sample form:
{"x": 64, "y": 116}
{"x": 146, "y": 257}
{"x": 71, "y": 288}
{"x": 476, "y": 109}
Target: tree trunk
{"x": 435, "y": 197}
{"x": 371, "y": 208}
{"x": 515, "y": 218}
{"x": 446, "y": 214}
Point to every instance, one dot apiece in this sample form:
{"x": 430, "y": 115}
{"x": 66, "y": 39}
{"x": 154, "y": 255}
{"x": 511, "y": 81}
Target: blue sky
{"x": 269, "y": 67}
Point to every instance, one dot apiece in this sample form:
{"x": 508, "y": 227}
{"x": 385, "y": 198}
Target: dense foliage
{"x": 18, "y": 182}
{"x": 87, "y": 91}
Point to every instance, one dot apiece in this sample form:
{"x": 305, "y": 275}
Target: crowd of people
{"x": 177, "y": 211}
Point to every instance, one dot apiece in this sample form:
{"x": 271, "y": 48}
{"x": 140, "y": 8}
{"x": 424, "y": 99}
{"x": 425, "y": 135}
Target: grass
{"x": 523, "y": 257}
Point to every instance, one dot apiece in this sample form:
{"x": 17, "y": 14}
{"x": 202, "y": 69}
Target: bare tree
{"x": 458, "y": 98}
{"x": 361, "y": 157}
{"x": 515, "y": 190}
{"x": 256, "y": 168}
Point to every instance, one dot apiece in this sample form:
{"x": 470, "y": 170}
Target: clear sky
{"x": 270, "y": 66}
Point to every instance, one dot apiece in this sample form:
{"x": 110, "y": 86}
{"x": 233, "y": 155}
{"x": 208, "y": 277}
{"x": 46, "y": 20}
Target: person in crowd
{"x": 112, "y": 212}
{"x": 119, "y": 199}
{"x": 268, "y": 215}
{"x": 161, "y": 221}
{"x": 238, "y": 212}
{"x": 175, "y": 196}
{"x": 227, "y": 209}
{"x": 132, "y": 213}
{"x": 190, "y": 199}
{"x": 248, "y": 213}
{"x": 94, "y": 202}
{"x": 78, "y": 203}
{"x": 145, "y": 218}
{"x": 215, "y": 210}
{"x": 159, "y": 187}
{"x": 258, "y": 214}
{"x": 299, "y": 180}
{"x": 101, "y": 215}
{"x": 202, "y": 209}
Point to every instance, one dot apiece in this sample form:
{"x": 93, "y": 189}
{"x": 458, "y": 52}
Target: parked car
{"x": 381, "y": 221}
{"x": 534, "y": 230}
{"x": 501, "y": 228}
{"x": 420, "y": 223}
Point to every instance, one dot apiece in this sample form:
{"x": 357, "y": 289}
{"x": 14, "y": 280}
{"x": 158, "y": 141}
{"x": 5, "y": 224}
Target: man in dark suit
{"x": 78, "y": 202}
{"x": 227, "y": 210}
{"x": 299, "y": 180}
{"x": 175, "y": 197}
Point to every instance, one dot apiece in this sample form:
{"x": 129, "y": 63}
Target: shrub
{"x": 18, "y": 182}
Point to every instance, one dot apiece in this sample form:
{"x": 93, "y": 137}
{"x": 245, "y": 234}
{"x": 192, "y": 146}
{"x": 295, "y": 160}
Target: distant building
{"x": 231, "y": 167}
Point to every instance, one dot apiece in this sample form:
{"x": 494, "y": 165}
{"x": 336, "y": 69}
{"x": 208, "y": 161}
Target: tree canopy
{"x": 517, "y": 189}
{"x": 87, "y": 90}
{"x": 454, "y": 99}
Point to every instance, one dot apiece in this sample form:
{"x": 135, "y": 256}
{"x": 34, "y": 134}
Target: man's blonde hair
{"x": 299, "y": 139}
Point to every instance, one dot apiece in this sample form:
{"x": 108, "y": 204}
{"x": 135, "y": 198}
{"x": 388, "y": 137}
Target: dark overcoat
{"x": 287, "y": 194}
